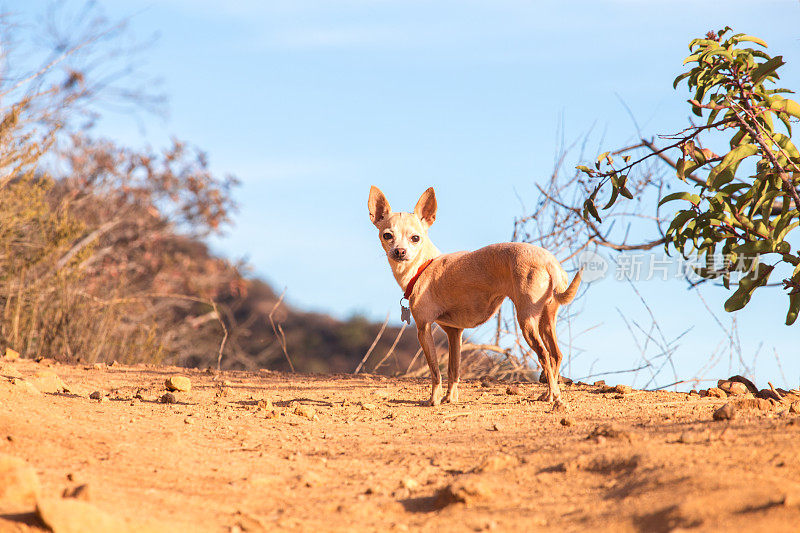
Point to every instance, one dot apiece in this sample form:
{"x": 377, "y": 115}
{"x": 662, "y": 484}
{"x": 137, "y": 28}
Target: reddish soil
{"x": 372, "y": 458}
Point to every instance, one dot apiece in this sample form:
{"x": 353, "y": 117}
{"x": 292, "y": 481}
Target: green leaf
{"x": 755, "y": 247}
{"x": 747, "y": 285}
{"x": 589, "y": 206}
{"x": 750, "y": 38}
{"x": 614, "y": 194}
{"x": 765, "y": 69}
{"x": 689, "y": 197}
{"x": 794, "y": 308}
{"x": 784, "y": 105}
{"x": 724, "y": 53}
{"x": 734, "y": 156}
{"x": 786, "y": 143}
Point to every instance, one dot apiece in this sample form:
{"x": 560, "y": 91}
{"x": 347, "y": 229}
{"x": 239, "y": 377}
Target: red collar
{"x": 410, "y": 286}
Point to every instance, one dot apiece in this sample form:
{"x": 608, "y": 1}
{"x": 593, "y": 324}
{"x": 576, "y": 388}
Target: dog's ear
{"x": 426, "y": 207}
{"x": 378, "y": 205}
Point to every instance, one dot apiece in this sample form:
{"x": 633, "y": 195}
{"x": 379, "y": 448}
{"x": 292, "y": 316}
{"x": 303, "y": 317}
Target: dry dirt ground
{"x": 359, "y": 453}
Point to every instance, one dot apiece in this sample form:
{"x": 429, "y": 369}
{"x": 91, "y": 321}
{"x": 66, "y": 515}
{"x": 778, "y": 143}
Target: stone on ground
{"x": 178, "y": 383}
{"x": 19, "y": 485}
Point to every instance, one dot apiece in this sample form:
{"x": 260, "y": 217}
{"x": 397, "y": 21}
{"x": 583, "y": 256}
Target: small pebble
{"x": 716, "y": 392}
{"x": 168, "y": 397}
{"x": 726, "y": 412}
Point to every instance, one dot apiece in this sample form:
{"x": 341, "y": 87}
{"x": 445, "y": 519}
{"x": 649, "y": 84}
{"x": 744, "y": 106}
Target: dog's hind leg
{"x": 426, "y": 341}
{"x": 529, "y": 324}
{"x": 454, "y": 363}
{"x": 547, "y": 330}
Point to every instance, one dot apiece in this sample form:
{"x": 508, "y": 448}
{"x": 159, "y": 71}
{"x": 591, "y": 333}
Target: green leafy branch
{"x": 741, "y": 217}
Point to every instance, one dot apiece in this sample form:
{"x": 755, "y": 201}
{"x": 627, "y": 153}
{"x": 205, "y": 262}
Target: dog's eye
{"x": 387, "y": 236}
{"x": 415, "y": 238}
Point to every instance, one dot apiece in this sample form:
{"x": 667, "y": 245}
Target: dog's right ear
{"x": 426, "y": 207}
{"x": 378, "y": 205}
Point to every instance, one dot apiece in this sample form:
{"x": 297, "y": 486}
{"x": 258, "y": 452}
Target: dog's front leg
{"x": 454, "y": 364}
{"x": 426, "y": 341}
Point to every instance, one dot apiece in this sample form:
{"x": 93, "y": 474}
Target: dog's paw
{"x": 546, "y": 397}
{"x": 451, "y": 397}
{"x": 559, "y": 405}
{"x": 433, "y": 402}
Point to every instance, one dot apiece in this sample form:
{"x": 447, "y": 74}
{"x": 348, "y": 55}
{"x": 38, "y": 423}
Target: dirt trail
{"x": 343, "y": 453}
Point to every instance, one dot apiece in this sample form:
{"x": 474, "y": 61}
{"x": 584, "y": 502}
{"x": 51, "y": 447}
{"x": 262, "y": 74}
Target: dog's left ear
{"x": 378, "y": 205}
{"x": 426, "y": 207}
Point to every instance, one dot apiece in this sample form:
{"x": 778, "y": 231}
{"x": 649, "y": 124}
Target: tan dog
{"x": 464, "y": 289}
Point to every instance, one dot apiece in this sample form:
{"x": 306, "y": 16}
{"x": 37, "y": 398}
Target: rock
{"x": 81, "y": 492}
{"x": 496, "y": 462}
{"x": 513, "y": 390}
{"x": 100, "y": 366}
{"x": 726, "y": 412}
{"x": 623, "y": 389}
{"x": 795, "y": 408}
{"x": 496, "y": 427}
{"x": 768, "y": 394}
{"x": 25, "y": 386}
{"x": 567, "y": 422}
{"x": 609, "y": 431}
{"x": 9, "y": 371}
{"x": 409, "y": 483}
{"x": 791, "y": 499}
{"x": 11, "y": 355}
{"x": 747, "y": 383}
{"x": 265, "y": 404}
{"x": 178, "y": 383}
{"x": 383, "y": 394}
{"x": 19, "y": 486}
{"x": 737, "y": 389}
{"x": 96, "y": 395}
{"x": 715, "y": 392}
{"x": 306, "y": 411}
{"x": 487, "y": 381}
{"x": 167, "y": 397}
{"x": 694, "y": 393}
{"x": 368, "y": 406}
{"x": 48, "y": 382}
{"x": 753, "y": 404}
{"x": 466, "y": 491}
{"x": 76, "y": 516}
{"x": 599, "y": 383}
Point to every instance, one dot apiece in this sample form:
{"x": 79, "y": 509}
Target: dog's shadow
{"x": 405, "y": 402}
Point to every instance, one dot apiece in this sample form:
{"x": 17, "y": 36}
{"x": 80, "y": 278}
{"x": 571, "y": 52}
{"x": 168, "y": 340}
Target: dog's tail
{"x": 566, "y": 297}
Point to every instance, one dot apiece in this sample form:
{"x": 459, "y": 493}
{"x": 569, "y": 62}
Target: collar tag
{"x": 405, "y": 312}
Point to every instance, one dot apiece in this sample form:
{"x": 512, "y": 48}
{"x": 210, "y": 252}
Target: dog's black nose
{"x": 400, "y": 253}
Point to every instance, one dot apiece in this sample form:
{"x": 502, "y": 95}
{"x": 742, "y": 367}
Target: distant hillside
{"x": 314, "y": 342}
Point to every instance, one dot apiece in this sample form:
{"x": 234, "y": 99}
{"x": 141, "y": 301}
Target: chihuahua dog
{"x": 464, "y": 289}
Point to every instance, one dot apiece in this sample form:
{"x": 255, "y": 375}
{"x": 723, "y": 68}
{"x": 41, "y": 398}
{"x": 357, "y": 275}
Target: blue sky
{"x": 311, "y": 102}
